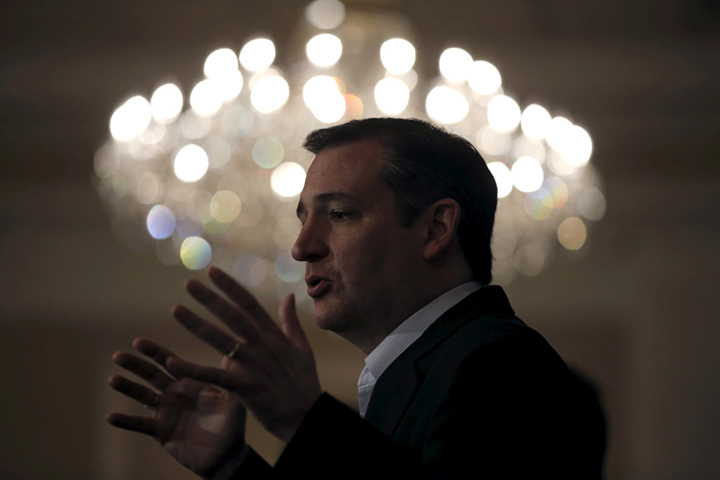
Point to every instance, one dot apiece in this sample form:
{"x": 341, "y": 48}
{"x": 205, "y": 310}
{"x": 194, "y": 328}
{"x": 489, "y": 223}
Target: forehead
{"x": 350, "y": 168}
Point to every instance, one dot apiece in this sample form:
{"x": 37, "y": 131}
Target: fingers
{"x": 143, "y": 369}
{"x": 153, "y": 350}
{"x": 134, "y": 390}
{"x": 210, "y": 334}
{"x": 136, "y": 424}
{"x": 222, "y": 309}
{"x": 291, "y": 324}
{"x": 234, "y": 381}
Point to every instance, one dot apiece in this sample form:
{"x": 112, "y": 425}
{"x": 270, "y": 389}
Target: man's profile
{"x": 397, "y": 218}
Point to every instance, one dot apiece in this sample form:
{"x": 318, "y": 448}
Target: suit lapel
{"x": 398, "y": 384}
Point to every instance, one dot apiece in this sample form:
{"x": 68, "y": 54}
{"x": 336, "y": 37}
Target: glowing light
{"x": 191, "y": 163}
{"x": 317, "y": 89}
{"x": 558, "y": 191}
{"x": 225, "y": 206}
{"x": 218, "y": 151}
{"x": 237, "y": 121}
{"x": 166, "y": 102}
{"x": 577, "y": 147}
{"x": 558, "y": 133}
{"x": 529, "y": 259}
{"x": 257, "y": 54}
{"x": 250, "y": 270}
{"x": 353, "y": 106}
{"x": 491, "y": 142}
{"x": 130, "y": 119}
{"x": 193, "y": 125}
{"x": 229, "y": 85}
{"x": 270, "y": 94}
{"x": 160, "y": 222}
{"x": 455, "y": 64}
{"x": 397, "y": 56}
{"x": 527, "y": 174}
{"x": 484, "y": 78}
{"x": 446, "y": 105}
{"x": 288, "y": 179}
{"x": 107, "y": 161}
{"x": 524, "y": 146}
{"x": 324, "y": 50}
{"x": 148, "y": 188}
{"x": 591, "y": 204}
{"x": 535, "y": 122}
{"x": 288, "y": 269}
{"x": 325, "y": 14}
{"x": 195, "y": 253}
{"x": 220, "y": 63}
{"x": 391, "y": 96}
{"x": 268, "y": 152}
{"x": 572, "y": 233}
{"x": 206, "y": 98}
{"x": 539, "y": 204}
{"x": 503, "y": 178}
{"x": 503, "y": 114}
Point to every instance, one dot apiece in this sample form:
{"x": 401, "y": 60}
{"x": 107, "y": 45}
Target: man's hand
{"x": 198, "y": 424}
{"x": 272, "y": 370}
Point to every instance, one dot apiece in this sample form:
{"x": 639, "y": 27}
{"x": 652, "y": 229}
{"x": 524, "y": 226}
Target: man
{"x": 397, "y": 217}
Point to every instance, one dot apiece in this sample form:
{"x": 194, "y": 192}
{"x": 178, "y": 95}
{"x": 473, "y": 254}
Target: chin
{"x": 327, "y": 319}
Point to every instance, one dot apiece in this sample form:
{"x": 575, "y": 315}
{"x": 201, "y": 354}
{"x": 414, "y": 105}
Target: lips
{"x": 317, "y": 286}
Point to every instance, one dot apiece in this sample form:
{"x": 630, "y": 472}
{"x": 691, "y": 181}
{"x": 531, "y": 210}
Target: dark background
{"x": 638, "y": 313}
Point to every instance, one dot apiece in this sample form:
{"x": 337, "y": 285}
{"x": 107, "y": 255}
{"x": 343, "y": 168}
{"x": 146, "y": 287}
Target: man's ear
{"x": 441, "y": 220}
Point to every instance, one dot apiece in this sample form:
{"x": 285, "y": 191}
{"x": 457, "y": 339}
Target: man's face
{"x": 359, "y": 259}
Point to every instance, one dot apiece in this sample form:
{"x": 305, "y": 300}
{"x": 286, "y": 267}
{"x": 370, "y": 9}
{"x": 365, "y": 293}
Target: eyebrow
{"x": 327, "y": 197}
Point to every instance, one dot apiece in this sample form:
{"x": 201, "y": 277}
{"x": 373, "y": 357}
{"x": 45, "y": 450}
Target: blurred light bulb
{"x": 503, "y": 114}
{"x": 484, "y": 78}
{"x": 325, "y": 14}
{"x": 397, "y": 56}
{"x": 527, "y": 174}
{"x": 288, "y": 179}
{"x": 391, "y": 96}
{"x": 578, "y": 147}
{"x": 166, "y": 103}
{"x": 195, "y": 253}
{"x": 206, "y": 98}
{"x": 558, "y": 133}
{"x": 572, "y": 233}
{"x": 257, "y": 54}
{"x": 446, "y": 105}
{"x": 324, "y": 50}
{"x": 503, "y": 178}
{"x": 270, "y": 94}
{"x": 455, "y": 64}
{"x": 191, "y": 163}
{"x": 130, "y": 119}
{"x": 220, "y": 63}
{"x": 317, "y": 89}
{"x": 535, "y": 122}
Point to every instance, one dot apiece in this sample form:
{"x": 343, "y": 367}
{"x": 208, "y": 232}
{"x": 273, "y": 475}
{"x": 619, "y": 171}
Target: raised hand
{"x": 200, "y": 425}
{"x": 272, "y": 370}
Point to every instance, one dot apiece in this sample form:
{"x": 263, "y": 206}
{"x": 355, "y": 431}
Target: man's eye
{"x": 338, "y": 215}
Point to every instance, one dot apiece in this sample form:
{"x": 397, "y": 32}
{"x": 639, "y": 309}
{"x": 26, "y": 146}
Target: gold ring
{"x": 234, "y": 351}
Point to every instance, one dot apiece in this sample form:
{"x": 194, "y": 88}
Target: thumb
{"x": 291, "y": 323}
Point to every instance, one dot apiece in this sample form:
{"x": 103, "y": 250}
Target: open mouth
{"x": 317, "y": 287}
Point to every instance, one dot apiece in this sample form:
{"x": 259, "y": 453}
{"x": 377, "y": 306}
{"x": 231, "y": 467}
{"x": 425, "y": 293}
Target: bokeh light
{"x": 559, "y": 132}
{"x": 220, "y": 63}
{"x": 572, "y": 233}
{"x": 324, "y": 50}
{"x": 397, "y": 56}
{"x": 539, "y": 204}
{"x": 270, "y": 94}
{"x": 591, "y": 204}
{"x": 484, "y": 78}
{"x": 250, "y": 270}
{"x": 558, "y": 191}
{"x": 257, "y": 55}
{"x": 455, "y": 64}
{"x": 195, "y": 253}
{"x": 225, "y": 206}
{"x": 288, "y": 269}
{"x": 325, "y": 14}
{"x": 503, "y": 114}
{"x": 268, "y": 152}
{"x": 503, "y": 178}
{"x": 529, "y": 259}
{"x": 288, "y": 179}
{"x": 492, "y": 142}
{"x": 535, "y": 122}
{"x": 391, "y": 96}
{"x": 206, "y": 98}
{"x": 446, "y": 105}
{"x": 160, "y": 222}
{"x": 130, "y": 119}
{"x": 577, "y": 147}
{"x": 191, "y": 163}
{"x": 166, "y": 103}
{"x": 527, "y": 174}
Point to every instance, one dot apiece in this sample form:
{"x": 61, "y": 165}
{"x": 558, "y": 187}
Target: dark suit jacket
{"x": 478, "y": 395}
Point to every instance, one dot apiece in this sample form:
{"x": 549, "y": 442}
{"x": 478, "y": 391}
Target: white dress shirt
{"x": 405, "y": 335}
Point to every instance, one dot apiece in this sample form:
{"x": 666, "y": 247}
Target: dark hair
{"x": 424, "y": 163}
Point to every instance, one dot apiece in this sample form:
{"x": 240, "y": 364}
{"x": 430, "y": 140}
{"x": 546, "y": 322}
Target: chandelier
{"x": 219, "y": 180}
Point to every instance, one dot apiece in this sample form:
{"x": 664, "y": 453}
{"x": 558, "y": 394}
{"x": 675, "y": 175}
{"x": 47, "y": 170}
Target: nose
{"x": 311, "y": 244}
